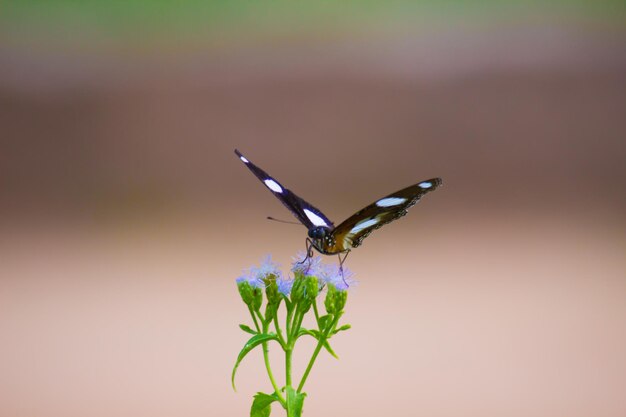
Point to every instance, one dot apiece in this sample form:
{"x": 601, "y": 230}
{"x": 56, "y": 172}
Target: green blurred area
{"x": 188, "y": 17}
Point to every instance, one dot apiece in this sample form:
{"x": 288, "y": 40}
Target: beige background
{"x": 126, "y": 218}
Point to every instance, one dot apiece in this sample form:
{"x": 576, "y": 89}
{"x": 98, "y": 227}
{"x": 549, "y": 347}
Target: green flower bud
{"x": 304, "y": 305}
{"x": 270, "y": 311}
{"x": 312, "y": 287}
{"x": 340, "y": 300}
{"x": 297, "y": 291}
{"x": 329, "y": 302}
{"x": 271, "y": 289}
{"x": 335, "y": 300}
{"x": 257, "y": 300}
{"x": 245, "y": 290}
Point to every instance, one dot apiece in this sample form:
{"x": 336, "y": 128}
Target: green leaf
{"x": 324, "y": 321}
{"x": 329, "y": 349}
{"x": 316, "y": 334}
{"x": 313, "y": 333}
{"x": 295, "y": 401}
{"x": 262, "y": 405}
{"x": 250, "y": 344}
{"x": 247, "y": 329}
{"x": 342, "y": 328}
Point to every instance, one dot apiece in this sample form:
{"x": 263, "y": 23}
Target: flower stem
{"x": 316, "y": 352}
{"x": 278, "y": 331}
{"x": 288, "y": 319}
{"x": 294, "y": 326}
{"x": 266, "y": 359}
{"x": 299, "y": 324}
{"x": 317, "y": 314}
{"x": 256, "y": 323}
{"x": 288, "y": 353}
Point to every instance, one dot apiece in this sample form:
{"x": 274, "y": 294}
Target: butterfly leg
{"x": 309, "y": 252}
{"x": 309, "y": 248}
{"x": 341, "y": 261}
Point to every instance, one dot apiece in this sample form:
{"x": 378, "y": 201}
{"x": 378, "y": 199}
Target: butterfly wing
{"x": 350, "y": 233}
{"x": 305, "y": 212}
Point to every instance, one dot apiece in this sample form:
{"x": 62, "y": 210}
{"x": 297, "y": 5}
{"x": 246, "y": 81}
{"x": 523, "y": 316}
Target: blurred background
{"x": 125, "y": 216}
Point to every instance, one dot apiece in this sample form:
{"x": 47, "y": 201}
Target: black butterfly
{"x": 331, "y": 240}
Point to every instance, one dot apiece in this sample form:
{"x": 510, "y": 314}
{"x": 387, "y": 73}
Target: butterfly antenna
{"x": 280, "y": 221}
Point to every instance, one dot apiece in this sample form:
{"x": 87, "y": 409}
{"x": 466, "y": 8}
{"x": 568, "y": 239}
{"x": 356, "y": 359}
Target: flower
{"x": 251, "y": 278}
{"x": 267, "y": 267}
{"x": 340, "y": 278}
{"x": 303, "y": 266}
{"x": 307, "y": 266}
{"x": 256, "y": 275}
{"x": 284, "y": 285}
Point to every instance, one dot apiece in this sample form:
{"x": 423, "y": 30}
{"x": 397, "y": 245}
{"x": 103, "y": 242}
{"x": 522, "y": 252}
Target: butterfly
{"x": 323, "y": 235}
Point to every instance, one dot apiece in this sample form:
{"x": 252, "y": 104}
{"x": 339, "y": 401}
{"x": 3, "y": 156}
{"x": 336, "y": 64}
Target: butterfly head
{"x": 319, "y": 232}
{"x": 322, "y": 239}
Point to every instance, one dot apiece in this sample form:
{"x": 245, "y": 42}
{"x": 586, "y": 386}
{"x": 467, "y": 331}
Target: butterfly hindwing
{"x": 350, "y": 233}
{"x": 306, "y": 213}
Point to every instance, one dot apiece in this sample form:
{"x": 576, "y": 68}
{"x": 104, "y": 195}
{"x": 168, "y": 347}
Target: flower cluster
{"x": 298, "y": 293}
{"x": 256, "y": 276}
{"x": 259, "y": 277}
{"x": 339, "y": 277}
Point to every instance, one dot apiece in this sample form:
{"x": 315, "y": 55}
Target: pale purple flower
{"x": 256, "y": 275}
{"x": 284, "y": 285}
{"x": 340, "y": 279}
{"x": 307, "y": 266}
{"x": 251, "y": 278}
{"x": 267, "y": 267}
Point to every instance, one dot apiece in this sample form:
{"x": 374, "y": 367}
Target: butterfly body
{"x": 331, "y": 240}
{"x": 323, "y": 239}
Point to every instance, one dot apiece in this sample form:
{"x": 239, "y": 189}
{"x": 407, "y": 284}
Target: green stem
{"x": 292, "y": 321}
{"x": 288, "y": 353}
{"x": 278, "y": 331}
{"x": 316, "y": 352}
{"x": 298, "y": 325}
{"x": 266, "y": 359}
{"x": 261, "y": 317}
{"x": 288, "y": 347}
{"x": 288, "y": 319}
{"x": 256, "y": 323}
{"x": 317, "y": 314}
{"x": 294, "y": 326}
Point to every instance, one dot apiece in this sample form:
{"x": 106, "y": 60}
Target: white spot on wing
{"x": 425, "y": 184}
{"x": 390, "y": 201}
{"x": 315, "y": 219}
{"x": 364, "y": 224}
{"x": 243, "y": 158}
{"x": 273, "y": 185}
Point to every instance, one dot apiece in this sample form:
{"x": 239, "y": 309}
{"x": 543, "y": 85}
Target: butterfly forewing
{"x": 350, "y": 233}
{"x": 305, "y": 212}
